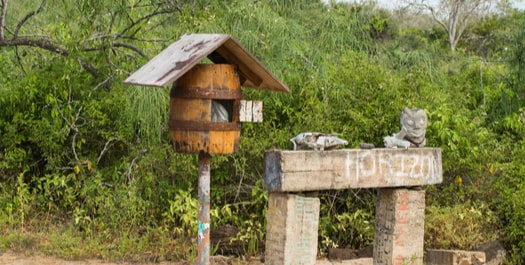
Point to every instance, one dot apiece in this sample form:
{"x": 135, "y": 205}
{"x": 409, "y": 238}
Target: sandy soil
{"x": 10, "y": 258}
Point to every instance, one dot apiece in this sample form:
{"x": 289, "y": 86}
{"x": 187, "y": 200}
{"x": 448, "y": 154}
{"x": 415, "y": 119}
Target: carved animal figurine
{"x": 317, "y": 141}
{"x": 413, "y": 129}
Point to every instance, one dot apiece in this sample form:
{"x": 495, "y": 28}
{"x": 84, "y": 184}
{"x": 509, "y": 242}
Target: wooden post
{"x": 203, "y": 233}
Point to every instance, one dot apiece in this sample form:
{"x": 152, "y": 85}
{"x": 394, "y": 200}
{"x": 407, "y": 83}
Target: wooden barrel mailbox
{"x": 204, "y": 110}
{"x": 206, "y": 105}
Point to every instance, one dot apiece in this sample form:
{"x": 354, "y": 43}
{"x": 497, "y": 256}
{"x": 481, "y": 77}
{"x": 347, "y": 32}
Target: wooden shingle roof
{"x": 190, "y": 49}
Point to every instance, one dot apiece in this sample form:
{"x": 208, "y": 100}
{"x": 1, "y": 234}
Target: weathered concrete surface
{"x": 291, "y": 232}
{"x": 360, "y": 261}
{"x": 346, "y": 253}
{"x": 292, "y": 171}
{"x": 494, "y": 252}
{"x": 454, "y": 257}
{"x": 399, "y": 227}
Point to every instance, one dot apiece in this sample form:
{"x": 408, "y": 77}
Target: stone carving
{"x": 317, "y": 141}
{"x": 413, "y": 129}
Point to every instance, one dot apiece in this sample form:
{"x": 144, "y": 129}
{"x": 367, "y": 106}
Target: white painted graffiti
{"x": 392, "y": 167}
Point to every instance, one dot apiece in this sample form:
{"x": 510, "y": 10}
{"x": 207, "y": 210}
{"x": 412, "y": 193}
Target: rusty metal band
{"x": 190, "y": 92}
{"x": 177, "y": 125}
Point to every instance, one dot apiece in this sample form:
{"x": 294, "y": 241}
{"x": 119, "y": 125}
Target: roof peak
{"x": 182, "y": 55}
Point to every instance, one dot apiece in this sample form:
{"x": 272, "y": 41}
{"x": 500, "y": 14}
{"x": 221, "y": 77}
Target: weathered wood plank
{"x": 176, "y": 59}
{"x": 246, "y": 111}
{"x": 182, "y": 55}
{"x": 292, "y": 171}
{"x": 251, "y": 111}
{"x": 257, "y": 111}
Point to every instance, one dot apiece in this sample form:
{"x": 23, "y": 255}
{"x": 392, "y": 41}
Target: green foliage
{"x": 512, "y": 211}
{"x": 348, "y": 229}
{"x": 253, "y": 229}
{"x": 459, "y": 227}
{"x": 510, "y": 186}
{"x": 145, "y": 115}
{"x": 182, "y": 212}
{"x": 430, "y": 40}
{"x": 346, "y": 219}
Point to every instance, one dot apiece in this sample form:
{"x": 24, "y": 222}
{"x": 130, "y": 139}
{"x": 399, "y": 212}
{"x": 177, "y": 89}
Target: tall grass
{"x": 146, "y": 113}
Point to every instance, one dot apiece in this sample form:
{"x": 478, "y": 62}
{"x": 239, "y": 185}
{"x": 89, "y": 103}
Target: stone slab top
{"x": 309, "y": 170}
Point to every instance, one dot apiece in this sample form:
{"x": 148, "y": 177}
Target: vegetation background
{"x": 86, "y": 163}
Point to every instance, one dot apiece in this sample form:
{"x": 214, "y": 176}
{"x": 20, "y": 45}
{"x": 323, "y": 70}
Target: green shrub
{"x": 346, "y": 219}
{"x": 460, "y": 226}
{"x": 509, "y": 202}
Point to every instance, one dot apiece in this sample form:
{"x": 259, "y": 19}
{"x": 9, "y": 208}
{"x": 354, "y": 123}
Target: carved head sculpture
{"x": 414, "y": 123}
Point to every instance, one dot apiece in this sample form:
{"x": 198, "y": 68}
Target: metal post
{"x": 204, "y": 209}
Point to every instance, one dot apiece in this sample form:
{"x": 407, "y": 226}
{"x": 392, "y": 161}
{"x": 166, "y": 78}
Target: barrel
{"x": 204, "y": 110}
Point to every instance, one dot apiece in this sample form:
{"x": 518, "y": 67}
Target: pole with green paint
{"x": 203, "y": 233}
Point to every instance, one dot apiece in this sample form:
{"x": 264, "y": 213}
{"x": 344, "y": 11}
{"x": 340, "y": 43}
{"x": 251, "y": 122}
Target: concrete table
{"x": 400, "y": 211}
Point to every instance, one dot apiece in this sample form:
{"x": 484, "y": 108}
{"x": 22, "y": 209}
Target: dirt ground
{"x": 10, "y": 258}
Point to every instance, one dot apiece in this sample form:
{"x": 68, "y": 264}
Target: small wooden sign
{"x": 251, "y": 111}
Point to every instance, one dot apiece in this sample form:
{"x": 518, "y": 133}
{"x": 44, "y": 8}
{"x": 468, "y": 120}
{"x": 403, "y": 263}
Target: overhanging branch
{"x": 145, "y": 18}
{"x": 38, "y": 43}
{"x": 12, "y": 36}
{"x": 131, "y": 47}
{"x": 27, "y": 17}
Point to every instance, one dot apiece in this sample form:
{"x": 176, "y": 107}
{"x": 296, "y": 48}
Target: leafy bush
{"x": 460, "y": 226}
{"x": 345, "y": 222}
{"x": 510, "y": 187}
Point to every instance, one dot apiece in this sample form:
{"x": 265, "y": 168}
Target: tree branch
{"x": 435, "y": 17}
{"x": 131, "y": 47}
{"x": 92, "y": 70}
{"x": 39, "y": 43}
{"x": 453, "y": 15}
{"x": 27, "y": 17}
{"x": 110, "y": 40}
{"x": 113, "y": 44}
{"x": 19, "y": 60}
{"x": 2, "y": 19}
{"x": 106, "y": 149}
{"x": 145, "y": 18}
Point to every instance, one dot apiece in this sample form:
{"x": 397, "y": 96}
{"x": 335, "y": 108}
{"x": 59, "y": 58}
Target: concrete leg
{"x": 399, "y": 227}
{"x": 291, "y": 235}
